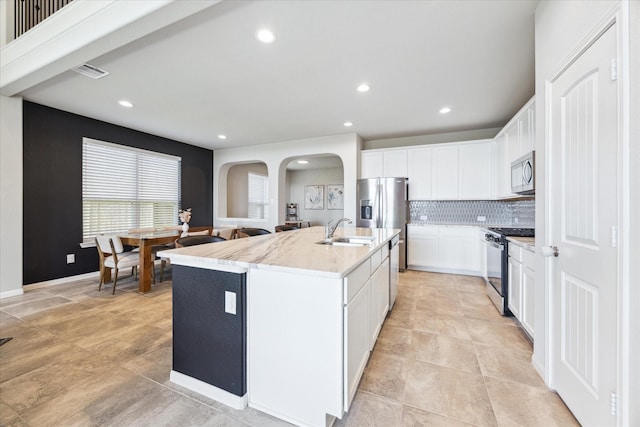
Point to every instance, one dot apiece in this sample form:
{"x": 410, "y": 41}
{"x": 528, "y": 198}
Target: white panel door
{"x": 583, "y": 211}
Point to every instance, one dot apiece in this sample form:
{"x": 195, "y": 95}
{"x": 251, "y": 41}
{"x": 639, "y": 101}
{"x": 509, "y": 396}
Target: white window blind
{"x": 258, "y": 196}
{"x": 124, "y": 187}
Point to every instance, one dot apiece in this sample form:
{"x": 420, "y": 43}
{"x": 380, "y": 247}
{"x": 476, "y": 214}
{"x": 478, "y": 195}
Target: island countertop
{"x": 293, "y": 251}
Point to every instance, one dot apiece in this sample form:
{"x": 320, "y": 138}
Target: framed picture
{"x": 314, "y": 196}
{"x": 335, "y": 196}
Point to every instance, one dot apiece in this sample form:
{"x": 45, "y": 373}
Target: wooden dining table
{"x": 145, "y": 241}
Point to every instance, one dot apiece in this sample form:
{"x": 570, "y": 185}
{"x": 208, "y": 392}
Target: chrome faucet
{"x": 331, "y": 226}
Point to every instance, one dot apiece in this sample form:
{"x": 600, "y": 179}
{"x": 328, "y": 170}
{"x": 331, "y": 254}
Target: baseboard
{"x": 445, "y": 270}
{"x": 208, "y": 390}
{"x": 60, "y": 281}
{"x": 13, "y": 293}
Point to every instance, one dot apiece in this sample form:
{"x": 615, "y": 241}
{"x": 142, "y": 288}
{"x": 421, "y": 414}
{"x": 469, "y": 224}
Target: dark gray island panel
{"x": 209, "y": 343}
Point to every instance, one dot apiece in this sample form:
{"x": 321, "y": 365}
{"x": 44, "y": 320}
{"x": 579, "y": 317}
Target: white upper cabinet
{"x": 444, "y": 168}
{"x": 383, "y": 163}
{"x": 476, "y": 166}
{"x": 395, "y": 163}
{"x": 371, "y": 165}
{"x": 419, "y": 173}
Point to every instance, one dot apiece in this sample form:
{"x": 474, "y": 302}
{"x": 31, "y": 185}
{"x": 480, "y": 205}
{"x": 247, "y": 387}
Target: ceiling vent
{"x": 90, "y": 71}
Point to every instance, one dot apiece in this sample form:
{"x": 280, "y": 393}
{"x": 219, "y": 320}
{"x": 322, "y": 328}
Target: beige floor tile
{"x": 483, "y": 309}
{"x": 508, "y": 364}
{"x": 34, "y": 306}
{"x": 522, "y": 405}
{"x": 385, "y": 375}
{"x": 498, "y": 335}
{"x": 414, "y": 417}
{"x": 449, "y": 392}
{"x": 155, "y": 364}
{"x": 452, "y": 326}
{"x": 445, "y": 351}
{"x": 401, "y": 318}
{"x": 394, "y": 340}
{"x": 131, "y": 342}
{"x": 369, "y": 410}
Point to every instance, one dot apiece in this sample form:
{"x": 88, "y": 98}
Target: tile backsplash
{"x": 503, "y": 213}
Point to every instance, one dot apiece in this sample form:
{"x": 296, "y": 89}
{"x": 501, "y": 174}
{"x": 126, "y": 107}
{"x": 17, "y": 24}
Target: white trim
{"x": 61, "y": 281}
{"x": 210, "y": 391}
{"x": 13, "y": 293}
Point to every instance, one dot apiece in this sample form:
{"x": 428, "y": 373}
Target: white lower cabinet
{"x": 443, "y": 248}
{"x": 521, "y": 299}
{"x": 379, "y": 300}
{"x": 356, "y": 337}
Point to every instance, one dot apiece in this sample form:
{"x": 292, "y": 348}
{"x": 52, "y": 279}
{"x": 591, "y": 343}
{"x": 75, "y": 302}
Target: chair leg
{"x": 101, "y": 278}
{"x": 115, "y": 281}
{"x": 162, "y": 264}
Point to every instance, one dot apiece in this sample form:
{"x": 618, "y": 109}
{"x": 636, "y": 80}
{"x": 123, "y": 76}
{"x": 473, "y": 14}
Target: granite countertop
{"x": 290, "y": 251}
{"x": 526, "y": 242}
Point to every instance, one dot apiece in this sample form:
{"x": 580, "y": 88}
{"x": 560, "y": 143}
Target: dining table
{"x": 145, "y": 241}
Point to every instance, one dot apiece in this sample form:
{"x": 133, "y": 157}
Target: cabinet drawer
{"x": 356, "y": 279}
{"x": 528, "y": 259}
{"x": 376, "y": 259}
{"x": 515, "y": 252}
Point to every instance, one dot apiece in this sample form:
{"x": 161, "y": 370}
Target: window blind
{"x": 124, "y": 188}
{"x": 258, "y": 196}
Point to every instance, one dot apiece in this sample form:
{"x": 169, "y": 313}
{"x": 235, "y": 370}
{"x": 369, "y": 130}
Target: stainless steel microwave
{"x": 523, "y": 180}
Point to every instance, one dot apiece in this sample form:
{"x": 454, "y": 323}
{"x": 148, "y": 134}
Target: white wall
{"x": 296, "y": 182}
{"x": 560, "y": 27}
{"x": 277, "y": 156}
{"x": 10, "y": 196}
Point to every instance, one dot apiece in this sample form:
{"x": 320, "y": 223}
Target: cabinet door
{"x": 503, "y": 168}
{"x": 515, "y": 287}
{"x": 356, "y": 341}
{"x": 512, "y": 137}
{"x": 379, "y": 300}
{"x": 419, "y": 173}
{"x": 458, "y": 248}
{"x": 444, "y": 170}
{"x": 394, "y": 163}
{"x": 527, "y": 123}
{"x": 476, "y": 169}
{"x": 371, "y": 164}
{"x": 422, "y": 249}
{"x": 528, "y": 300}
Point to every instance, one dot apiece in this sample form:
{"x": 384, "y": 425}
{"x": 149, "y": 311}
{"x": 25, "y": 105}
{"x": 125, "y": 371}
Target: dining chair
{"x": 112, "y": 255}
{"x": 197, "y": 240}
{"x": 249, "y": 232}
{"x": 285, "y": 227}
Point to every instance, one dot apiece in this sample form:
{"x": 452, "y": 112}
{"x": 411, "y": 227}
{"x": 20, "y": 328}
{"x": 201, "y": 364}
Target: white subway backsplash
{"x": 504, "y": 213}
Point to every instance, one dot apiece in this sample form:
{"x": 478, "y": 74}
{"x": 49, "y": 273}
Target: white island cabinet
{"x": 313, "y": 313}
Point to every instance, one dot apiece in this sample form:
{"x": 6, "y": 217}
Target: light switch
{"x": 230, "y": 302}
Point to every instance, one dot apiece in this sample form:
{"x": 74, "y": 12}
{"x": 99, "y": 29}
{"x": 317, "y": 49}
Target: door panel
{"x": 583, "y": 208}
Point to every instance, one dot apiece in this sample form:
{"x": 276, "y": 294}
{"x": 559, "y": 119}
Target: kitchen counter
{"x": 528, "y": 243}
{"x": 289, "y": 251}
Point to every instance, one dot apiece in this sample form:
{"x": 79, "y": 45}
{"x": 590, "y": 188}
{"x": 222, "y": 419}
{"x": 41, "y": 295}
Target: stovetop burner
{"x": 517, "y": 232}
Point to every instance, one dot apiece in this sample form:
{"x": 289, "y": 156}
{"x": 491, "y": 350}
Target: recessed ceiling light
{"x": 445, "y": 110}
{"x": 364, "y": 87}
{"x": 266, "y": 36}
{"x": 221, "y": 136}
{"x": 303, "y": 162}
{"x": 348, "y": 124}
{"x": 125, "y": 103}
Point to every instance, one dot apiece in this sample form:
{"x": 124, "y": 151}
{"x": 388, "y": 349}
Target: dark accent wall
{"x": 52, "y": 148}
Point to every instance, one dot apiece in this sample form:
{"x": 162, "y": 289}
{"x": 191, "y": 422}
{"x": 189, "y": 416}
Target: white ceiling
{"x": 207, "y": 74}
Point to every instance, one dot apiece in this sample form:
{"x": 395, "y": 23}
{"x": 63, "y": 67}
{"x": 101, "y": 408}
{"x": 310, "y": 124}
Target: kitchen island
{"x": 280, "y": 322}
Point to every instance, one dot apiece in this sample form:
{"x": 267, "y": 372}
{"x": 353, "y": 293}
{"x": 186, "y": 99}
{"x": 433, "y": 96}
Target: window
{"x": 258, "y": 196}
{"x": 124, "y": 187}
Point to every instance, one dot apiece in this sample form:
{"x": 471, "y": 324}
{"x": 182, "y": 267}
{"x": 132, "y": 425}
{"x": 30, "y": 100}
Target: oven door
{"x": 494, "y": 265}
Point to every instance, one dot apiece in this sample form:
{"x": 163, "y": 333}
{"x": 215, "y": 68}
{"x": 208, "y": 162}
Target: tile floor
{"x": 444, "y": 358}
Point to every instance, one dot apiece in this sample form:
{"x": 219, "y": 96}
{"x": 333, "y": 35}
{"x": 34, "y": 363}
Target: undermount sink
{"x": 347, "y": 241}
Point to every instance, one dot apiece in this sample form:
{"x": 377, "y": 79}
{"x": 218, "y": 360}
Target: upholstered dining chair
{"x": 248, "y": 232}
{"x": 285, "y": 227}
{"x": 112, "y": 255}
{"x": 197, "y": 240}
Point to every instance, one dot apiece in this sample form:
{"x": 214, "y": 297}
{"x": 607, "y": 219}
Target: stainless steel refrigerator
{"x": 382, "y": 203}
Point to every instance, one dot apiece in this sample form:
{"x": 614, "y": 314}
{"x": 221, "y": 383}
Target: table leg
{"x": 144, "y": 279}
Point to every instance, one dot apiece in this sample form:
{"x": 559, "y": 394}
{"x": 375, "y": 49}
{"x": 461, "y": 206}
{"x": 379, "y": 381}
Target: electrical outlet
{"x": 423, "y": 218}
{"x": 71, "y": 258}
{"x": 482, "y": 218}
{"x": 230, "y": 302}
